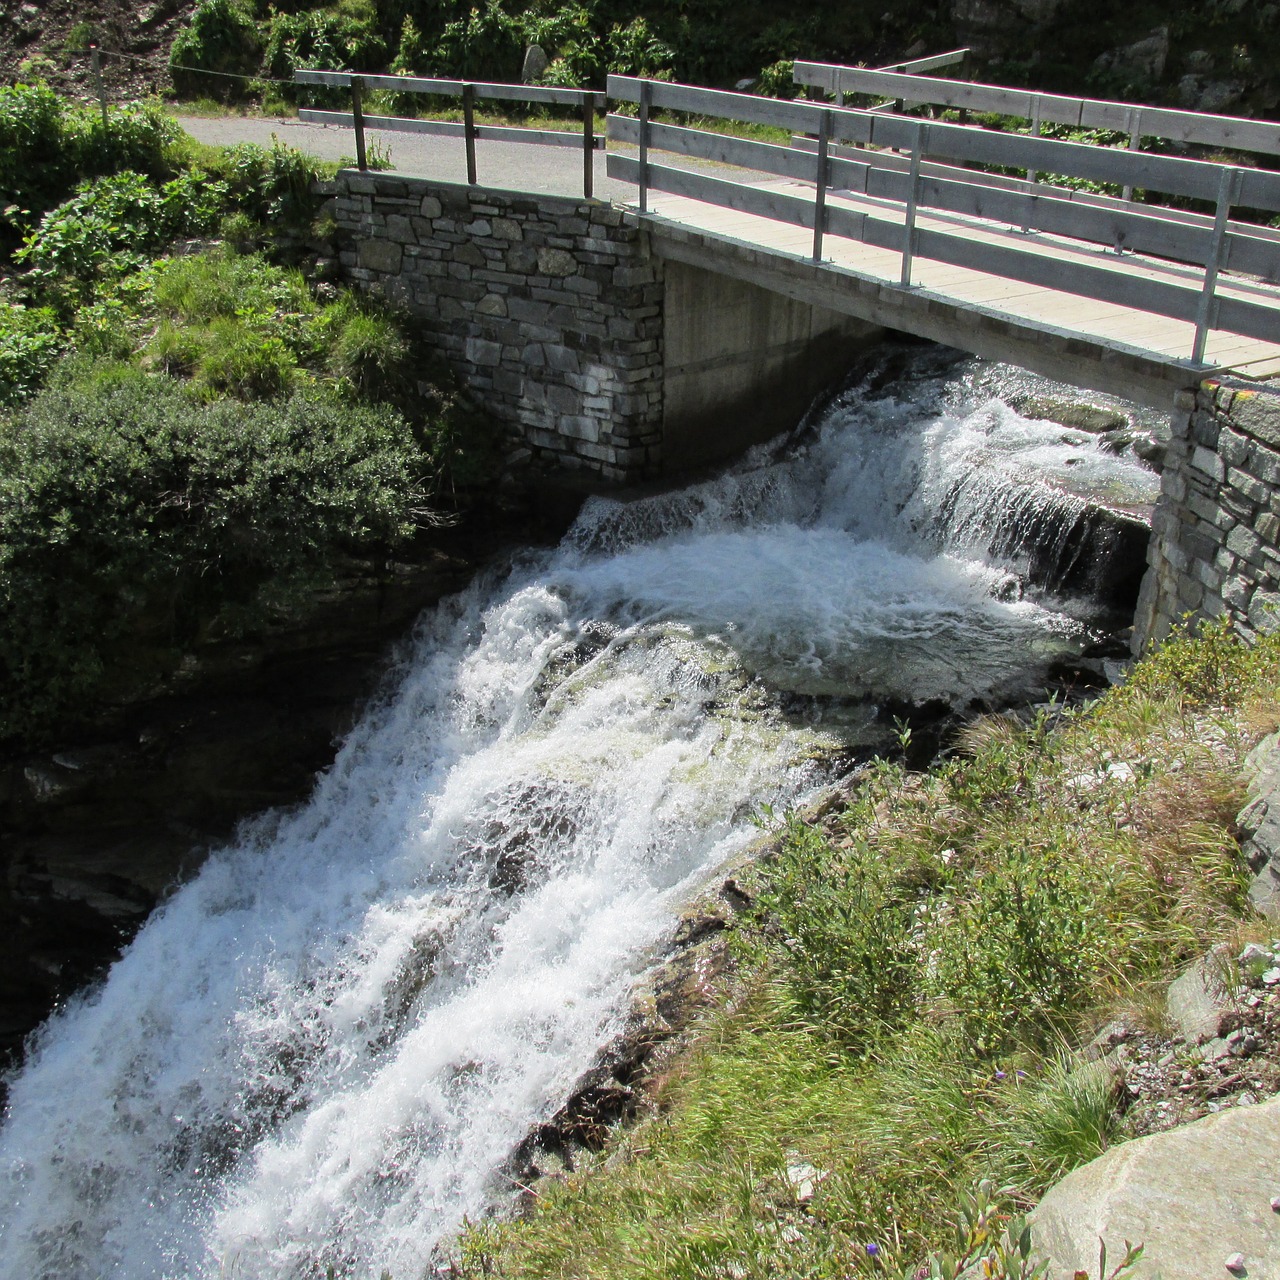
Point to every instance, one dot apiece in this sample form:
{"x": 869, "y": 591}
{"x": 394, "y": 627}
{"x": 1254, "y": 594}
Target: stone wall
{"x": 549, "y": 309}
{"x": 1215, "y": 537}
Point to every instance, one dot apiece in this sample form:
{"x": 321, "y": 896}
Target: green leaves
{"x": 132, "y": 513}
{"x": 30, "y": 341}
{"x": 48, "y": 144}
{"x": 222, "y": 40}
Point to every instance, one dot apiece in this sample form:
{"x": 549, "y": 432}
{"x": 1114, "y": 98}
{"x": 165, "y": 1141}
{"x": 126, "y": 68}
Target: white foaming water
{"x": 323, "y": 1049}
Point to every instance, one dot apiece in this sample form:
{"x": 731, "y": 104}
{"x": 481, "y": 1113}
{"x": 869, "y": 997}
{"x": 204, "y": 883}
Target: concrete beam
{"x": 742, "y": 363}
{"x": 1091, "y": 363}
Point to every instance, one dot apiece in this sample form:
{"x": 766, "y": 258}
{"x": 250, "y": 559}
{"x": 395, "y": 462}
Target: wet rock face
{"x": 94, "y": 832}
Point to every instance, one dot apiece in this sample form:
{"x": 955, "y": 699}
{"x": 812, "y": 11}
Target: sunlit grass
{"x": 912, "y": 986}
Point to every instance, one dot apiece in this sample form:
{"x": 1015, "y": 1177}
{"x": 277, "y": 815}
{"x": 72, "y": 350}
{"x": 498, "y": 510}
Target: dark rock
{"x": 95, "y": 832}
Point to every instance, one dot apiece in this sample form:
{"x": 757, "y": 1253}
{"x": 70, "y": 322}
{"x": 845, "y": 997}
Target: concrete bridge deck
{"x": 1113, "y": 347}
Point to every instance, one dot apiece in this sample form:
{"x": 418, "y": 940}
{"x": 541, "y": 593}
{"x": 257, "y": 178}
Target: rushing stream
{"x": 322, "y": 1050}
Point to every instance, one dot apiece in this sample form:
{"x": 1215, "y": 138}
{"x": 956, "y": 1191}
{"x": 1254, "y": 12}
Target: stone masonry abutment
{"x": 1215, "y": 538}
{"x": 565, "y": 325}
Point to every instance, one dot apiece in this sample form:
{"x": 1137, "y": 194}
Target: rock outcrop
{"x": 1195, "y": 1197}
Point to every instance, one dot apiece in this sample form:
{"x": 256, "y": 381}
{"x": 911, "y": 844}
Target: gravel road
{"x": 506, "y": 166}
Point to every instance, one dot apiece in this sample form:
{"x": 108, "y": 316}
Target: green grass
{"x": 909, "y": 990}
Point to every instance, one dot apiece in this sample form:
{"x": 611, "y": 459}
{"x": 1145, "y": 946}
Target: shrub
{"x": 635, "y": 50}
{"x": 318, "y": 39}
{"x": 846, "y": 930}
{"x": 778, "y": 80}
{"x": 30, "y": 340}
{"x": 272, "y": 185}
{"x": 1021, "y": 948}
{"x": 137, "y": 136}
{"x": 46, "y": 146}
{"x": 36, "y": 166}
{"x": 112, "y": 224}
{"x": 486, "y": 42}
{"x": 220, "y": 44}
{"x": 131, "y": 513}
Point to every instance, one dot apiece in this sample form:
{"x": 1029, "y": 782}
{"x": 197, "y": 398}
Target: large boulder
{"x": 1195, "y": 1196}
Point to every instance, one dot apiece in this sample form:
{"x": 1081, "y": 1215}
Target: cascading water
{"x": 321, "y": 1051}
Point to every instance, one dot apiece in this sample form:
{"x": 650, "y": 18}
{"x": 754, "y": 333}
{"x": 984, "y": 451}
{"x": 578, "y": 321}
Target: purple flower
{"x": 872, "y": 1250}
{"x": 999, "y": 1075}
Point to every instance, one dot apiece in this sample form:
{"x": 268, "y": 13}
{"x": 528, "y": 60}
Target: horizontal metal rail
{"x": 448, "y": 88}
{"x": 468, "y": 91}
{"x": 451, "y": 128}
{"x": 1169, "y": 175}
{"x": 918, "y": 66}
{"x": 1234, "y": 132}
{"x": 904, "y": 182}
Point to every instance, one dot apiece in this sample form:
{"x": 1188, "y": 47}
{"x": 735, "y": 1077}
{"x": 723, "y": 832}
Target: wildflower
{"x": 872, "y": 1250}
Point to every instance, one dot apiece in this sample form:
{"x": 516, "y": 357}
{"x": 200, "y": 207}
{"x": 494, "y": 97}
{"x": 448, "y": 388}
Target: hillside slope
{"x": 1221, "y": 55}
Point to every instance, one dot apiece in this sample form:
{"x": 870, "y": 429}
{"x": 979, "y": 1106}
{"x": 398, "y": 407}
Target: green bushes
{"x": 48, "y": 145}
{"x": 314, "y": 38}
{"x": 34, "y": 165}
{"x": 271, "y": 185}
{"x": 115, "y": 224}
{"x": 847, "y": 934}
{"x": 30, "y": 341}
{"x": 132, "y": 514}
{"x": 222, "y": 42}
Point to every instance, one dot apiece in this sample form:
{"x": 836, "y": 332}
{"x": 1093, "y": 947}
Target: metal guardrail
{"x": 1208, "y": 244}
{"x": 913, "y": 67}
{"x": 1232, "y": 132}
{"x": 469, "y": 91}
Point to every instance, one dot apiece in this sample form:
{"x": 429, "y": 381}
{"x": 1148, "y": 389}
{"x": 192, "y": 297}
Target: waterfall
{"x": 321, "y": 1051}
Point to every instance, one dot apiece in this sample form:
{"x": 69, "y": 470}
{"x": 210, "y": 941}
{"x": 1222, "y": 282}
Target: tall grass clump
{"x": 910, "y": 984}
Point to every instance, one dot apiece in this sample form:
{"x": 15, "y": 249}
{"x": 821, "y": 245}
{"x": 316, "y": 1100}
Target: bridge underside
{"x": 1065, "y": 350}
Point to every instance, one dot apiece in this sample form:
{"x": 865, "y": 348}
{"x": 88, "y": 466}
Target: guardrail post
{"x": 96, "y": 58}
{"x": 1228, "y": 193}
{"x": 1032, "y": 174}
{"x": 588, "y": 143}
{"x": 469, "y": 129}
{"x": 646, "y": 102}
{"x": 1135, "y": 144}
{"x": 913, "y": 199}
{"x": 820, "y": 194}
{"x": 357, "y": 119}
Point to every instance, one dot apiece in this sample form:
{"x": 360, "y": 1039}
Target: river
{"x": 321, "y": 1051}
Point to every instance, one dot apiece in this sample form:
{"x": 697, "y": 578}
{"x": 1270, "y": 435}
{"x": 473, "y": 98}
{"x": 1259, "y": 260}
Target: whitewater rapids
{"x": 321, "y": 1051}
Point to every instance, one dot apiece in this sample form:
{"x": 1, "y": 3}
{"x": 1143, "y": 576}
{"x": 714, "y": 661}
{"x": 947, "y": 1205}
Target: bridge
{"x": 999, "y": 243}
{"x": 705, "y": 312}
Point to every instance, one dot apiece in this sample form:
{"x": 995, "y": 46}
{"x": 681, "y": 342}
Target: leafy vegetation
{"x": 47, "y": 146}
{"x": 30, "y": 341}
{"x": 910, "y": 980}
{"x": 212, "y": 437}
{"x": 221, "y": 45}
{"x": 132, "y": 511}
